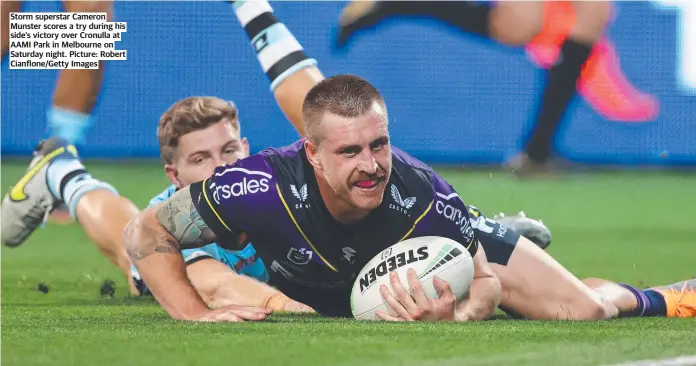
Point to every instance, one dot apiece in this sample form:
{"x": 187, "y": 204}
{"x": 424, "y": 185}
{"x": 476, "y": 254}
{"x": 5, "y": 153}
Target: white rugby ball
{"x": 428, "y": 255}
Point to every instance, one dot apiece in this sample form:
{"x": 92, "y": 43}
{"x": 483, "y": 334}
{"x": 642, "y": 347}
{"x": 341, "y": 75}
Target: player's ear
{"x": 172, "y": 174}
{"x": 245, "y": 146}
{"x": 312, "y": 154}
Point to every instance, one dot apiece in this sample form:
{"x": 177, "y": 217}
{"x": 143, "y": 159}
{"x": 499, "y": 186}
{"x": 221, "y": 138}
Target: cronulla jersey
{"x": 273, "y": 198}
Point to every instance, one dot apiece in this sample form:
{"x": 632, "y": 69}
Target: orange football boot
{"x": 680, "y": 303}
{"x": 602, "y": 83}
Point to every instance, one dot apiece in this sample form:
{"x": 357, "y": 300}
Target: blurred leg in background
{"x": 290, "y": 71}
{"x": 592, "y": 19}
{"x": 560, "y": 36}
{"x": 76, "y": 91}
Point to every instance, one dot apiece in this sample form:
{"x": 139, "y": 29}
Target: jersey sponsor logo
{"x": 241, "y": 188}
{"x": 467, "y": 231}
{"x": 301, "y": 196}
{"x": 400, "y": 204}
{"x": 349, "y": 254}
{"x": 254, "y": 182}
{"x": 300, "y": 256}
{"x": 502, "y": 230}
{"x": 448, "y": 210}
{"x": 391, "y": 264}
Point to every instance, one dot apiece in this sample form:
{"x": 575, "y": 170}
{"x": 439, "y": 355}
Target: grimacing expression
{"x": 355, "y": 157}
{"x": 200, "y": 152}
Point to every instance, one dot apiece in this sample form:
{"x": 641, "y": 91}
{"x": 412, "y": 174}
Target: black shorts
{"x": 497, "y": 240}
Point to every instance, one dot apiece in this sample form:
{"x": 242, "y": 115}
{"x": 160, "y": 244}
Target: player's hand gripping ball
{"x": 428, "y": 256}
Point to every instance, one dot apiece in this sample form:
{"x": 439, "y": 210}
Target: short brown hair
{"x": 189, "y": 115}
{"x": 343, "y": 95}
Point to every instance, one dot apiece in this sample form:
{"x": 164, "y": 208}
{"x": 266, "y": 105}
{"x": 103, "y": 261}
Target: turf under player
{"x": 76, "y": 91}
{"x": 565, "y": 37}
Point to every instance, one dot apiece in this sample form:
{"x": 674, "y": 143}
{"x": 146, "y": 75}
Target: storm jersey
{"x": 273, "y": 198}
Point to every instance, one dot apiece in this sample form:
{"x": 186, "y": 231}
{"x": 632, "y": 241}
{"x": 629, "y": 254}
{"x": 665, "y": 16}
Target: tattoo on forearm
{"x": 142, "y": 241}
{"x": 177, "y": 226}
{"x": 180, "y": 218}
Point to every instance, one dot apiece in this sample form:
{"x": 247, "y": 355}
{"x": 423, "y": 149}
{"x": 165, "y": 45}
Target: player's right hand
{"x": 234, "y": 313}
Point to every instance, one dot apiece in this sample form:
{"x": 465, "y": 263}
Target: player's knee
{"x": 588, "y": 308}
{"x": 591, "y": 19}
{"x": 594, "y": 283}
{"x": 592, "y": 311}
{"x": 515, "y": 23}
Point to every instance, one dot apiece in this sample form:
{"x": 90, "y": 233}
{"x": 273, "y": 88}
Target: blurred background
{"x": 453, "y": 98}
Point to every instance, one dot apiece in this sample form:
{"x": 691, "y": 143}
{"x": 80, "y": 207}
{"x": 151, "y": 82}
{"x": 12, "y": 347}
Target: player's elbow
{"x": 492, "y": 290}
{"x": 484, "y": 298}
{"x": 132, "y": 236}
{"x": 496, "y": 289}
{"x": 129, "y": 238}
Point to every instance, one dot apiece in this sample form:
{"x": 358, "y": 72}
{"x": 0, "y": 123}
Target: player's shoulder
{"x": 257, "y": 176}
{"x": 162, "y": 196}
{"x": 289, "y": 163}
{"x": 415, "y": 174}
{"x": 438, "y": 185}
{"x": 265, "y": 164}
{"x": 285, "y": 153}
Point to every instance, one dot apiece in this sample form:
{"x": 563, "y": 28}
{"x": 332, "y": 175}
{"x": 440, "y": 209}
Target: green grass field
{"x": 636, "y": 228}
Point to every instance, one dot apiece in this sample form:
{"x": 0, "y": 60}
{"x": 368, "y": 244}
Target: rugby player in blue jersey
{"x": 196, "y": 134}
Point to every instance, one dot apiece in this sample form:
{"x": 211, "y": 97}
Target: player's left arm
{"x": 454, "y": 222}
{"x": 484, "y": 293}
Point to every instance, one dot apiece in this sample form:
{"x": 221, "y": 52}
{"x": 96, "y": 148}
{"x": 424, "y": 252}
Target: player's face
{"x": 200, "y": 152}
{"x": 355, "y": 158}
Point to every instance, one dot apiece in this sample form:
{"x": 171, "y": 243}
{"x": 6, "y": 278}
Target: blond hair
{"x": 189, "y": 115}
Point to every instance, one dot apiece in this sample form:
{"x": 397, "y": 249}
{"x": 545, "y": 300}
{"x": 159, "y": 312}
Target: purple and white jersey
{"x": 273, "y": 198}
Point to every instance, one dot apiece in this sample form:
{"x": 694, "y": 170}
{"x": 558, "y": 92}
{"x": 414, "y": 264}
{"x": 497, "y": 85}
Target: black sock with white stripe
{"x": 277, "y": 50}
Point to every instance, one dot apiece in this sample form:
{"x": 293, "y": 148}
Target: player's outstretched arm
{"x": 484, "y": 293}
{"x": 283, "y": 59}
{"x": 154, "y": 240}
